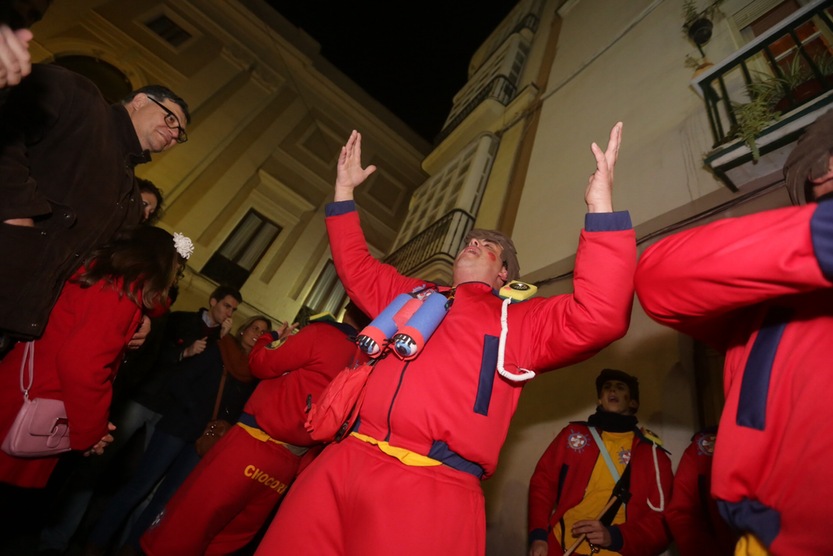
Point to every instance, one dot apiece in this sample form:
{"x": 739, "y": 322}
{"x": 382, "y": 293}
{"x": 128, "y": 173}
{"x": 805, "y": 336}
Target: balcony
{"x": 760, "y": 99}
{"x": 497, "y": 80}
{"x": 431, "y": 253}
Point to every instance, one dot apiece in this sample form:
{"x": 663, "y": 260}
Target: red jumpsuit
{"x": 759, "y": 287}
{"x": 229, "y": 495}
{"x": 561, "y": 477}
{"x": 75, "y": 361}
{"x": 445, "y": 413}
{"x": 692, "y": 515}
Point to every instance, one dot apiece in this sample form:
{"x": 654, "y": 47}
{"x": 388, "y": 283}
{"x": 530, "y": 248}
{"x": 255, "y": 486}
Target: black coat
{"x": 66, "y": 160}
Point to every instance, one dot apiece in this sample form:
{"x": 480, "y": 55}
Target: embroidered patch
{"x": 577, "y": 441}
{"x": 705, "y": 444}
{"x": 624, "y": 456}
{"x": 276, "y": 344}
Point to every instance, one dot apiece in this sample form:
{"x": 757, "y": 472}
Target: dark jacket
{"x": 182, "y": 329}
{"x": 194, "y": 389}
{"x": 66, "y": 160}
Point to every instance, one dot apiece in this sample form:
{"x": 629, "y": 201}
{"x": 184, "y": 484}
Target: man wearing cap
{"x": 406, "y": 480}
{"x": 574, "y": 480}
{"x": 759, "y": 288}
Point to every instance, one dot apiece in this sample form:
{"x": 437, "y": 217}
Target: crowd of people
{"x": 216, "y": 426}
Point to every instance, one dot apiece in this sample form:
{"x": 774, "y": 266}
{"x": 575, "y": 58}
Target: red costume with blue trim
{"x": 432, "y": 427}
{"x": 230, "y": 494}
{"x": 759, "y": 287}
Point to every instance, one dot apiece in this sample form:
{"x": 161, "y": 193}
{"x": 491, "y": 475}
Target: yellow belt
{"x": 405, "y": 456}
{"x": 261, "y": 435}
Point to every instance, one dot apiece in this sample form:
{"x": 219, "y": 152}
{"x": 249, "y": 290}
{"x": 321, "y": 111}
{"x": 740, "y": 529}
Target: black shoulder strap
{"x": 621, "y": 491}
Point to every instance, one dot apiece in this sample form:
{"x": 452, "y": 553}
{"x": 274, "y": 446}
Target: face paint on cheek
{"x": 493, "y": 257}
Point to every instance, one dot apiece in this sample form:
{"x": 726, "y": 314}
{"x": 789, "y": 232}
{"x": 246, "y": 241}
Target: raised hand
{"x": 287, "y": 329}
{"x": 350, "y": 172}
{"x": 599, "y": 193}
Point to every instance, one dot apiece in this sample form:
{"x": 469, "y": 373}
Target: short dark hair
{"x": 221, "y": 292}
{"x": 160, "y": 93}
{"x": 621, "y": 376}
{"x": 147, "y": 186}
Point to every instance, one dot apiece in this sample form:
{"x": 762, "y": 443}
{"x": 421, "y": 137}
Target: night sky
{"x": 412, "y": 57}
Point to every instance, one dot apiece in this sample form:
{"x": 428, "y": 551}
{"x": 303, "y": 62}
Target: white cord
{"x": 504, "y": 330}
{"x": 659, "y": 484}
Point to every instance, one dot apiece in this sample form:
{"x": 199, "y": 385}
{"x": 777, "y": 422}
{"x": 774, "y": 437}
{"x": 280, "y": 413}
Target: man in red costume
{"x": 692, "y": 514}
{"x": 407, "y": 479}
{"x": 249, "y": 470}
{"x": 759, "y": 288}
{"x": 574, "y": 481}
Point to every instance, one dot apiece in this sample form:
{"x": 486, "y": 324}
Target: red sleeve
{"x": 543, "y": 489}
{"x": 270, "y": 358}
{"x": 721, "y": 268}
{"x": 369, "y": 283}
{"x": 106, "y": 320}
{"x": 569, "y": 328}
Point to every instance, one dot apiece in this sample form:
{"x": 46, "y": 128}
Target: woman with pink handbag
{"x": 76, "y": 359}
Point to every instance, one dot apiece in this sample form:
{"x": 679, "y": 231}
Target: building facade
{"x": 269, "y": 115}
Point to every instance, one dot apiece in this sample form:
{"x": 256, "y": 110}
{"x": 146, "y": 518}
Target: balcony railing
{"x": 787, "y": 67}
{"x": 500, "y": 88}
{"x": 442, "y": 241}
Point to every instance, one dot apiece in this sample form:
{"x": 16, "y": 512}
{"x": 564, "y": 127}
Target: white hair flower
{"x": 183, "y": 245}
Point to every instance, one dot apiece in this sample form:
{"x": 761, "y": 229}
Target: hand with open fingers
{"x": 106, "y": 440}
{"x": 596, "y": 532}
{"x": 15, "y": 60}
{"x": 599, "y": 193}
{"x": 287, "y": 329}
{"x": 350, "y": 172}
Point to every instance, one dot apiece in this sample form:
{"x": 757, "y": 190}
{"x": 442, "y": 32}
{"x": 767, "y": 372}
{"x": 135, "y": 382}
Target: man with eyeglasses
{"x": 67, "y": 182}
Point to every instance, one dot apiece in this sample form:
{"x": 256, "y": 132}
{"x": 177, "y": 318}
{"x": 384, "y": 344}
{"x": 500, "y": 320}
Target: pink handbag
{"x": 41, "y": 427}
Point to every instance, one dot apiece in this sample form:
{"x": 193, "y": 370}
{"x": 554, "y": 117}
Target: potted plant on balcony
{"x": 699, "y": 65}
{"x": 798, "y": 82}
{"x": 755, "y": 116}
{"x": 697, "y": 24}
{"x": 770, "y": 96}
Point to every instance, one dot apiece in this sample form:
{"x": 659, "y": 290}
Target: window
{"x": 168, "y": 30}
{"x": 243, "y": 249}
{"x": 326, "y": 296}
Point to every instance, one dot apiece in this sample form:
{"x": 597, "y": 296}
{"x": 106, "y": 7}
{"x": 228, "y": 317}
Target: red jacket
{"x": 692, "y": 515}
{"x": 449, "y": 403}
{"x": 563, "y": 472}
{"x": 759, "y": 287}
{"x": 297, "y": 368}
{"x": 75, "y": 361}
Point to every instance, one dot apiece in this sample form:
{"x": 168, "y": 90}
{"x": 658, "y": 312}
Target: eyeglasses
{"x": 172, "y": 121}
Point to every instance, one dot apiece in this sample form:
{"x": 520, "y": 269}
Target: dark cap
{"x": 621, "y": 376}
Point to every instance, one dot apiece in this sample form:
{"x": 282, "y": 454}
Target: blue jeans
{"x": 162, "y": 453}
{"x": 76, "y": 495}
